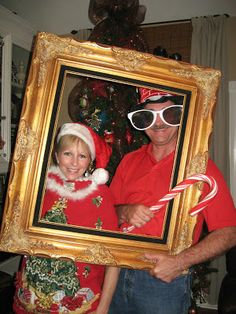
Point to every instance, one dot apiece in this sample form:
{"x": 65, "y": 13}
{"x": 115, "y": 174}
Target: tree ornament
{"x": 129, "y": 136}
{"x": 98, "y": 224}
{"x": 109, "y": 137}
{"x": 116, "y": 23}
{"x": 94, "y": 121}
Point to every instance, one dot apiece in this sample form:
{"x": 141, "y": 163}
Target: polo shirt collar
{"x": 149, "y": 150}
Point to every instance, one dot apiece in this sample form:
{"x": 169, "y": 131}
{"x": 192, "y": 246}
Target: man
{"x": 141, "y": 179}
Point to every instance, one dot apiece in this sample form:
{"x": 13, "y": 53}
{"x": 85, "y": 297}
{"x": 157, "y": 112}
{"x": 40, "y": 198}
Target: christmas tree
{"x": 103, "y": 105}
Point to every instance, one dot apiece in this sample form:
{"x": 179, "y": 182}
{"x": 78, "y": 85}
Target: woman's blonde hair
{"x": 66, "y": 141}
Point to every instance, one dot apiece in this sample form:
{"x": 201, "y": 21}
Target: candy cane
{"x": 181, "y": 187}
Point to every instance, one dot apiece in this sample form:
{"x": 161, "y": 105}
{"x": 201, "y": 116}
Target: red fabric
{"x": 97, "y": 206}
{"x": 102, "y": 149}
{"x": 140, "y": 179}
{"x": 84, "y": 212}
{"x": 146, "y": 93}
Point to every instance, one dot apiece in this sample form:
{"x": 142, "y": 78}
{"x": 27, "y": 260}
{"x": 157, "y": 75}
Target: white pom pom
{"x": 100, "y": 176}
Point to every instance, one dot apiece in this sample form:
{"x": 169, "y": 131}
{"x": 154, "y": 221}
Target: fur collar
{"x": 55, "y": 185}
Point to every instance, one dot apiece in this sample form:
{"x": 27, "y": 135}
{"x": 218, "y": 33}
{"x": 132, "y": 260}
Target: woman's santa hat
{"x": 100, "y": 151}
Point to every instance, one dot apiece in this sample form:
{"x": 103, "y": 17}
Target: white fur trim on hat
{"x": 80, "y": 131}
{"x": 157, "y": 97}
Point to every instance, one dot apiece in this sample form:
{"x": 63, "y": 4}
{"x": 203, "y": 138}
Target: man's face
{"x": 160, "y": 133}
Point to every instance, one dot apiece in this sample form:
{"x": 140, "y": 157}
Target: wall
{"x": 58, "y": 17}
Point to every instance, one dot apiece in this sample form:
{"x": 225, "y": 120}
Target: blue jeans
{"x": 139, "y": 293}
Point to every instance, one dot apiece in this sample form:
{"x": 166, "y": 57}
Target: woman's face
{"x": 73, "y": 160}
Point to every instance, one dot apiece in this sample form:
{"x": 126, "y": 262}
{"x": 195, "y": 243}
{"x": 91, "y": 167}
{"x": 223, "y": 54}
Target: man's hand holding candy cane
{"x": 137, "y": 215}
{"x": 168, "y": 267}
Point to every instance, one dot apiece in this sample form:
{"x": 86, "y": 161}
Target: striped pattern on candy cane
{"x": 181, "y": 187}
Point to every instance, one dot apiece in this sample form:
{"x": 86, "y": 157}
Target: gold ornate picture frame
{"x": 58, "y": 61}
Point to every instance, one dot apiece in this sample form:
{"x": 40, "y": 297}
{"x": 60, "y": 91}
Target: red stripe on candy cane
{"x": 181, "y": 187}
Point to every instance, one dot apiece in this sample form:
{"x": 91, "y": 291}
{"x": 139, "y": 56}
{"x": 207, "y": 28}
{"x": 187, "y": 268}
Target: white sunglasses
{"x": 145, "y": 118}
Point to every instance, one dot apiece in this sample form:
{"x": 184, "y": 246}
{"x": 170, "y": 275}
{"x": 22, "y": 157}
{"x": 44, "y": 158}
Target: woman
{"x": 76, "y": 197}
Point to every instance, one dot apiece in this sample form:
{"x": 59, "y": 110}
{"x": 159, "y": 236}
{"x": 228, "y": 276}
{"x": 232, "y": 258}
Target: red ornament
{"x": 129, "y": 136}
{"x": 27, "y": 295}
{"x": 99, "y": 88}
{"x": 54, "y": 307}
{"x": 72, "y": 303}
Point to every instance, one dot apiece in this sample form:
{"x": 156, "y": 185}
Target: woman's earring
{"x": 90, "y": 169}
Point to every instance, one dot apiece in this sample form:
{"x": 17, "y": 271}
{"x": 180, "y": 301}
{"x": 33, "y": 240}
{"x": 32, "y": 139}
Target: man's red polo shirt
{"x": 140, "y": 179}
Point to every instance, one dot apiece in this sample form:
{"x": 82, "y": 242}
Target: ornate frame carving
{"x": 54, "y": 56}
